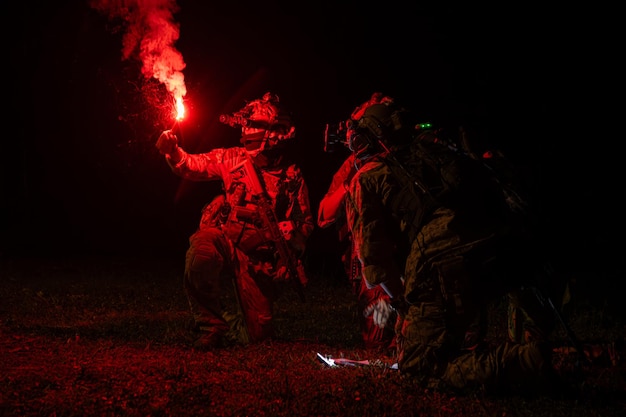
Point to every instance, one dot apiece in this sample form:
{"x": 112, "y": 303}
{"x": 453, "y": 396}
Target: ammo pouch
{"x": 454, "y": 280}
{"x": 246, "y": 230}
{"x": 213, "y": 212}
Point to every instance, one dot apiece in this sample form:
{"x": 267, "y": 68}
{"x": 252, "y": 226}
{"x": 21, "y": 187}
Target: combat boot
{"x": 209, "y": 341}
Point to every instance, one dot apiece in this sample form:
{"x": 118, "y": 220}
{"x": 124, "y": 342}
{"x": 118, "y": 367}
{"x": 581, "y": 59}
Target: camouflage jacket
{"x": 283, "y": 185}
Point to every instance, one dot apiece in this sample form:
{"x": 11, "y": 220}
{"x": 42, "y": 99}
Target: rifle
{"x": 296, "y": 274}
{"x": 571, "y": 336}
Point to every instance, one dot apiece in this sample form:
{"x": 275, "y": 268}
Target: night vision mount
{"x": 335, "y": 134}
{"x": 237, "y": 119}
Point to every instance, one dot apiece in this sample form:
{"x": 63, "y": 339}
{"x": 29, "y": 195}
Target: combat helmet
{"x": 264, "y": 123}
{"x": 381, "y": 126}
{"x": 388, "y": 122}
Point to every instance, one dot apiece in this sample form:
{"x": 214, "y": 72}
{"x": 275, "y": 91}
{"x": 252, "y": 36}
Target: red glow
{"x": 180, "y": 109}
{"x": 150, "y": 35}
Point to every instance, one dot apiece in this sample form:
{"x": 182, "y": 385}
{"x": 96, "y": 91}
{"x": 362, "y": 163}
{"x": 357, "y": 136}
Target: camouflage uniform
{"x": 453, "y": 260}
{"x": 236, "y": 245}
{"x": 374, "y": 337}
{"x": 233, "y": 242}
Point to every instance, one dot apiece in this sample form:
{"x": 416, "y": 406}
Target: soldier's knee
{"x": 204, "y": 252}
{"x": 205, "y": 237}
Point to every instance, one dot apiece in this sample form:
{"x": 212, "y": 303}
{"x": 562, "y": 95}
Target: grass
{"x": 109, "y": 338}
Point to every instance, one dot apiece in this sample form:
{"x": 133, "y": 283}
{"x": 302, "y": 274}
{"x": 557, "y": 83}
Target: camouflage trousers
{"x": 430, "y": 348}
{"x": 529, "y": 319}
{"x": 227, "y": 296}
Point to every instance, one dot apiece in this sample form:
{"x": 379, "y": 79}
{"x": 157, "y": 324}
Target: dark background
{"x": 81, "y": 175}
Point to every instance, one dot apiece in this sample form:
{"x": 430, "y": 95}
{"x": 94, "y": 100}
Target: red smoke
{"x": 150, "y": 35}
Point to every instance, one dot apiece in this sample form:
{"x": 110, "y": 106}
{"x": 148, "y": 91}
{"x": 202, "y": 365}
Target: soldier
{"x": 264, "y": 195}
{"x": 332, "y": 212}
{"x": 433, "y": 230}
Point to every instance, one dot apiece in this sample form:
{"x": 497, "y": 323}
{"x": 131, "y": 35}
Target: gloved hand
{"x": 167, "y": 143}
{"x": 286, "y": 228}
{"x": 380, "y": 310}
{"x": 281, "y": 273}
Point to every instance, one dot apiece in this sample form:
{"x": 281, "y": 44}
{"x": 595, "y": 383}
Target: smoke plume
{"x": 150, "y": 33}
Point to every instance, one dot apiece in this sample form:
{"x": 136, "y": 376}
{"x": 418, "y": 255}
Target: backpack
{"x": 496, "y": 252}
{"x": 434, "y": 172}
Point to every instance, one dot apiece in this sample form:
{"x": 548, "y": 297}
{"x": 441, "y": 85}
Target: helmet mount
{"x": 264, "y": 123}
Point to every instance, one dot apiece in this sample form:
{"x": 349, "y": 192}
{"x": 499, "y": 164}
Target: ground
{"x": 109, "y": 337}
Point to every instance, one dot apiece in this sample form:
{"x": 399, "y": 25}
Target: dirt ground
{"x": 109, "y": 338}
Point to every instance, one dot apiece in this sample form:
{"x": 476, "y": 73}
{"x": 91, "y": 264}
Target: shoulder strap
{"x": 414, "y": 201}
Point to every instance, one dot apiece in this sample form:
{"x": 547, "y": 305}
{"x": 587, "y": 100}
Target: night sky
{"x": 81, "y": 175}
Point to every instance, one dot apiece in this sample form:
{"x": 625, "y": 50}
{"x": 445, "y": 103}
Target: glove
{"x": 281, "y": 273}
{"x": 380, "y": 310}
{"x": 167, "y": 143}
{"x": 286, "y": 228}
